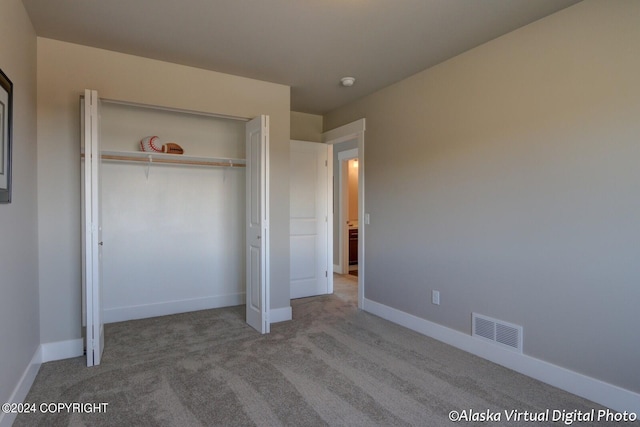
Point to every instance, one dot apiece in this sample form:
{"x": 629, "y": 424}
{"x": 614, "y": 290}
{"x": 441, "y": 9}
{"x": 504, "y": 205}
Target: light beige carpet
{"x": 332, "y": 365}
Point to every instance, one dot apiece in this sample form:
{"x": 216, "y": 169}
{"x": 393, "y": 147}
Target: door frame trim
{"x": 350, "y": 131}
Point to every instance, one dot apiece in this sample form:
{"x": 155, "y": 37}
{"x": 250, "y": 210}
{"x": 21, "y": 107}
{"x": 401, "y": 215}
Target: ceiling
{"x": 306, "y": 44}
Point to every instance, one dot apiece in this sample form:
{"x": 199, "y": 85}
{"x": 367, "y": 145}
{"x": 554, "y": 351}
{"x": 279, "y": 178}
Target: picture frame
{"x": 6, "y": 132}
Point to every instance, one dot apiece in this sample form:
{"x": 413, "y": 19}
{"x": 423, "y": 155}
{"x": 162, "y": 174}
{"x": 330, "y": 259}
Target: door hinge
{"x": 326, "y": 273}
{"x": 326, "y": 162}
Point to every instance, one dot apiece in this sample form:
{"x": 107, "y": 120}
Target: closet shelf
{"x": 178, "y": 159}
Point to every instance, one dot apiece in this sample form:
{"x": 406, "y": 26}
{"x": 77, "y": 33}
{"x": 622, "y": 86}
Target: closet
{"x": 171, "y": 233}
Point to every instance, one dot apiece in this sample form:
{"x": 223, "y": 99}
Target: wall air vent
{"x": 505, "y": 334}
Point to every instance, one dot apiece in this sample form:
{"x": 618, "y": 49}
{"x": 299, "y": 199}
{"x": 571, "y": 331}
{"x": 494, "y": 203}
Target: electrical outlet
{"x": 435, "y": 297}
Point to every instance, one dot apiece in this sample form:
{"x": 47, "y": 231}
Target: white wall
{"x": 64, "y": 71}
{"x": 507, "y": 178}
{"x": 173, "y": 242}
{"x": 19, "y": 322}
{"x": 173, "y": 234}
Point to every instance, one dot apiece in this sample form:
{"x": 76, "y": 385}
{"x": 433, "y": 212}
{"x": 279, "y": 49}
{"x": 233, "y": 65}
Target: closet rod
{"x": 170, "y": 161}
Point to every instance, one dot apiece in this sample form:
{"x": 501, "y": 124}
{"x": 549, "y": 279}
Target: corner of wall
{"x": 21, "y": 390}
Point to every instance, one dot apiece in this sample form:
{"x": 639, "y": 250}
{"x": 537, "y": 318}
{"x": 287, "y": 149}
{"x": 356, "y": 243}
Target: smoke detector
{"x": 347, "y": 81}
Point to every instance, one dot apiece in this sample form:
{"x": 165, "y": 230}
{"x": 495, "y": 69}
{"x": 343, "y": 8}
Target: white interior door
{"x": 92, "y": 230}
{"x": 308, "y": 219}
{"x": 257, "y": 258}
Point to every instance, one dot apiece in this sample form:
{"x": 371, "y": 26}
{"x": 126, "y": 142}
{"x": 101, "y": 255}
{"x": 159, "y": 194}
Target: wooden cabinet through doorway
{"x": 353, "y": 246}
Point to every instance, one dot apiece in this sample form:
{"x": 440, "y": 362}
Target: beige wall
{"x": 19, "y": 325}
{"x": 64, "y": 71}
{"x": 306, "y": 127}
{"x": 508, "y": 179}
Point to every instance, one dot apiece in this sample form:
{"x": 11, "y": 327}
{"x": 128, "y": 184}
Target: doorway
{"x": 344, "y": 138}
{"x": 352, "y": 210}
{"x": 346, "y": 207}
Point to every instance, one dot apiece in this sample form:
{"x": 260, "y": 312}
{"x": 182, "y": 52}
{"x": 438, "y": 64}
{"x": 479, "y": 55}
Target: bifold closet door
{"x": 257, "y": 182}
{"x": 257, "y": 226}
{"x": 92, "y": 230}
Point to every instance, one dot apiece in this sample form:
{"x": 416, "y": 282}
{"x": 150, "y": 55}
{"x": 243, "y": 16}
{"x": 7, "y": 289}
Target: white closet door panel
{"x": 257, "y": 232}
{"x": 92, "y": 230}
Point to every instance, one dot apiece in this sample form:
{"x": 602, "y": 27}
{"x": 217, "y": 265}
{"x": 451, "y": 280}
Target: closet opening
{"x": 171, "y": 233}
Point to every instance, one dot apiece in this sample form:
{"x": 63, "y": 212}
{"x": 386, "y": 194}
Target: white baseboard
{"x": 143, "y": 311}
{"x": 598, "y": 391}
{"x": 280, "y": 314}
{"x": 22, "y": 388}
{"x": 62, "y": 350}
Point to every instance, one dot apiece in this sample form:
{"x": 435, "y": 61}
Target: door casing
{"x": 350, "y": 131}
